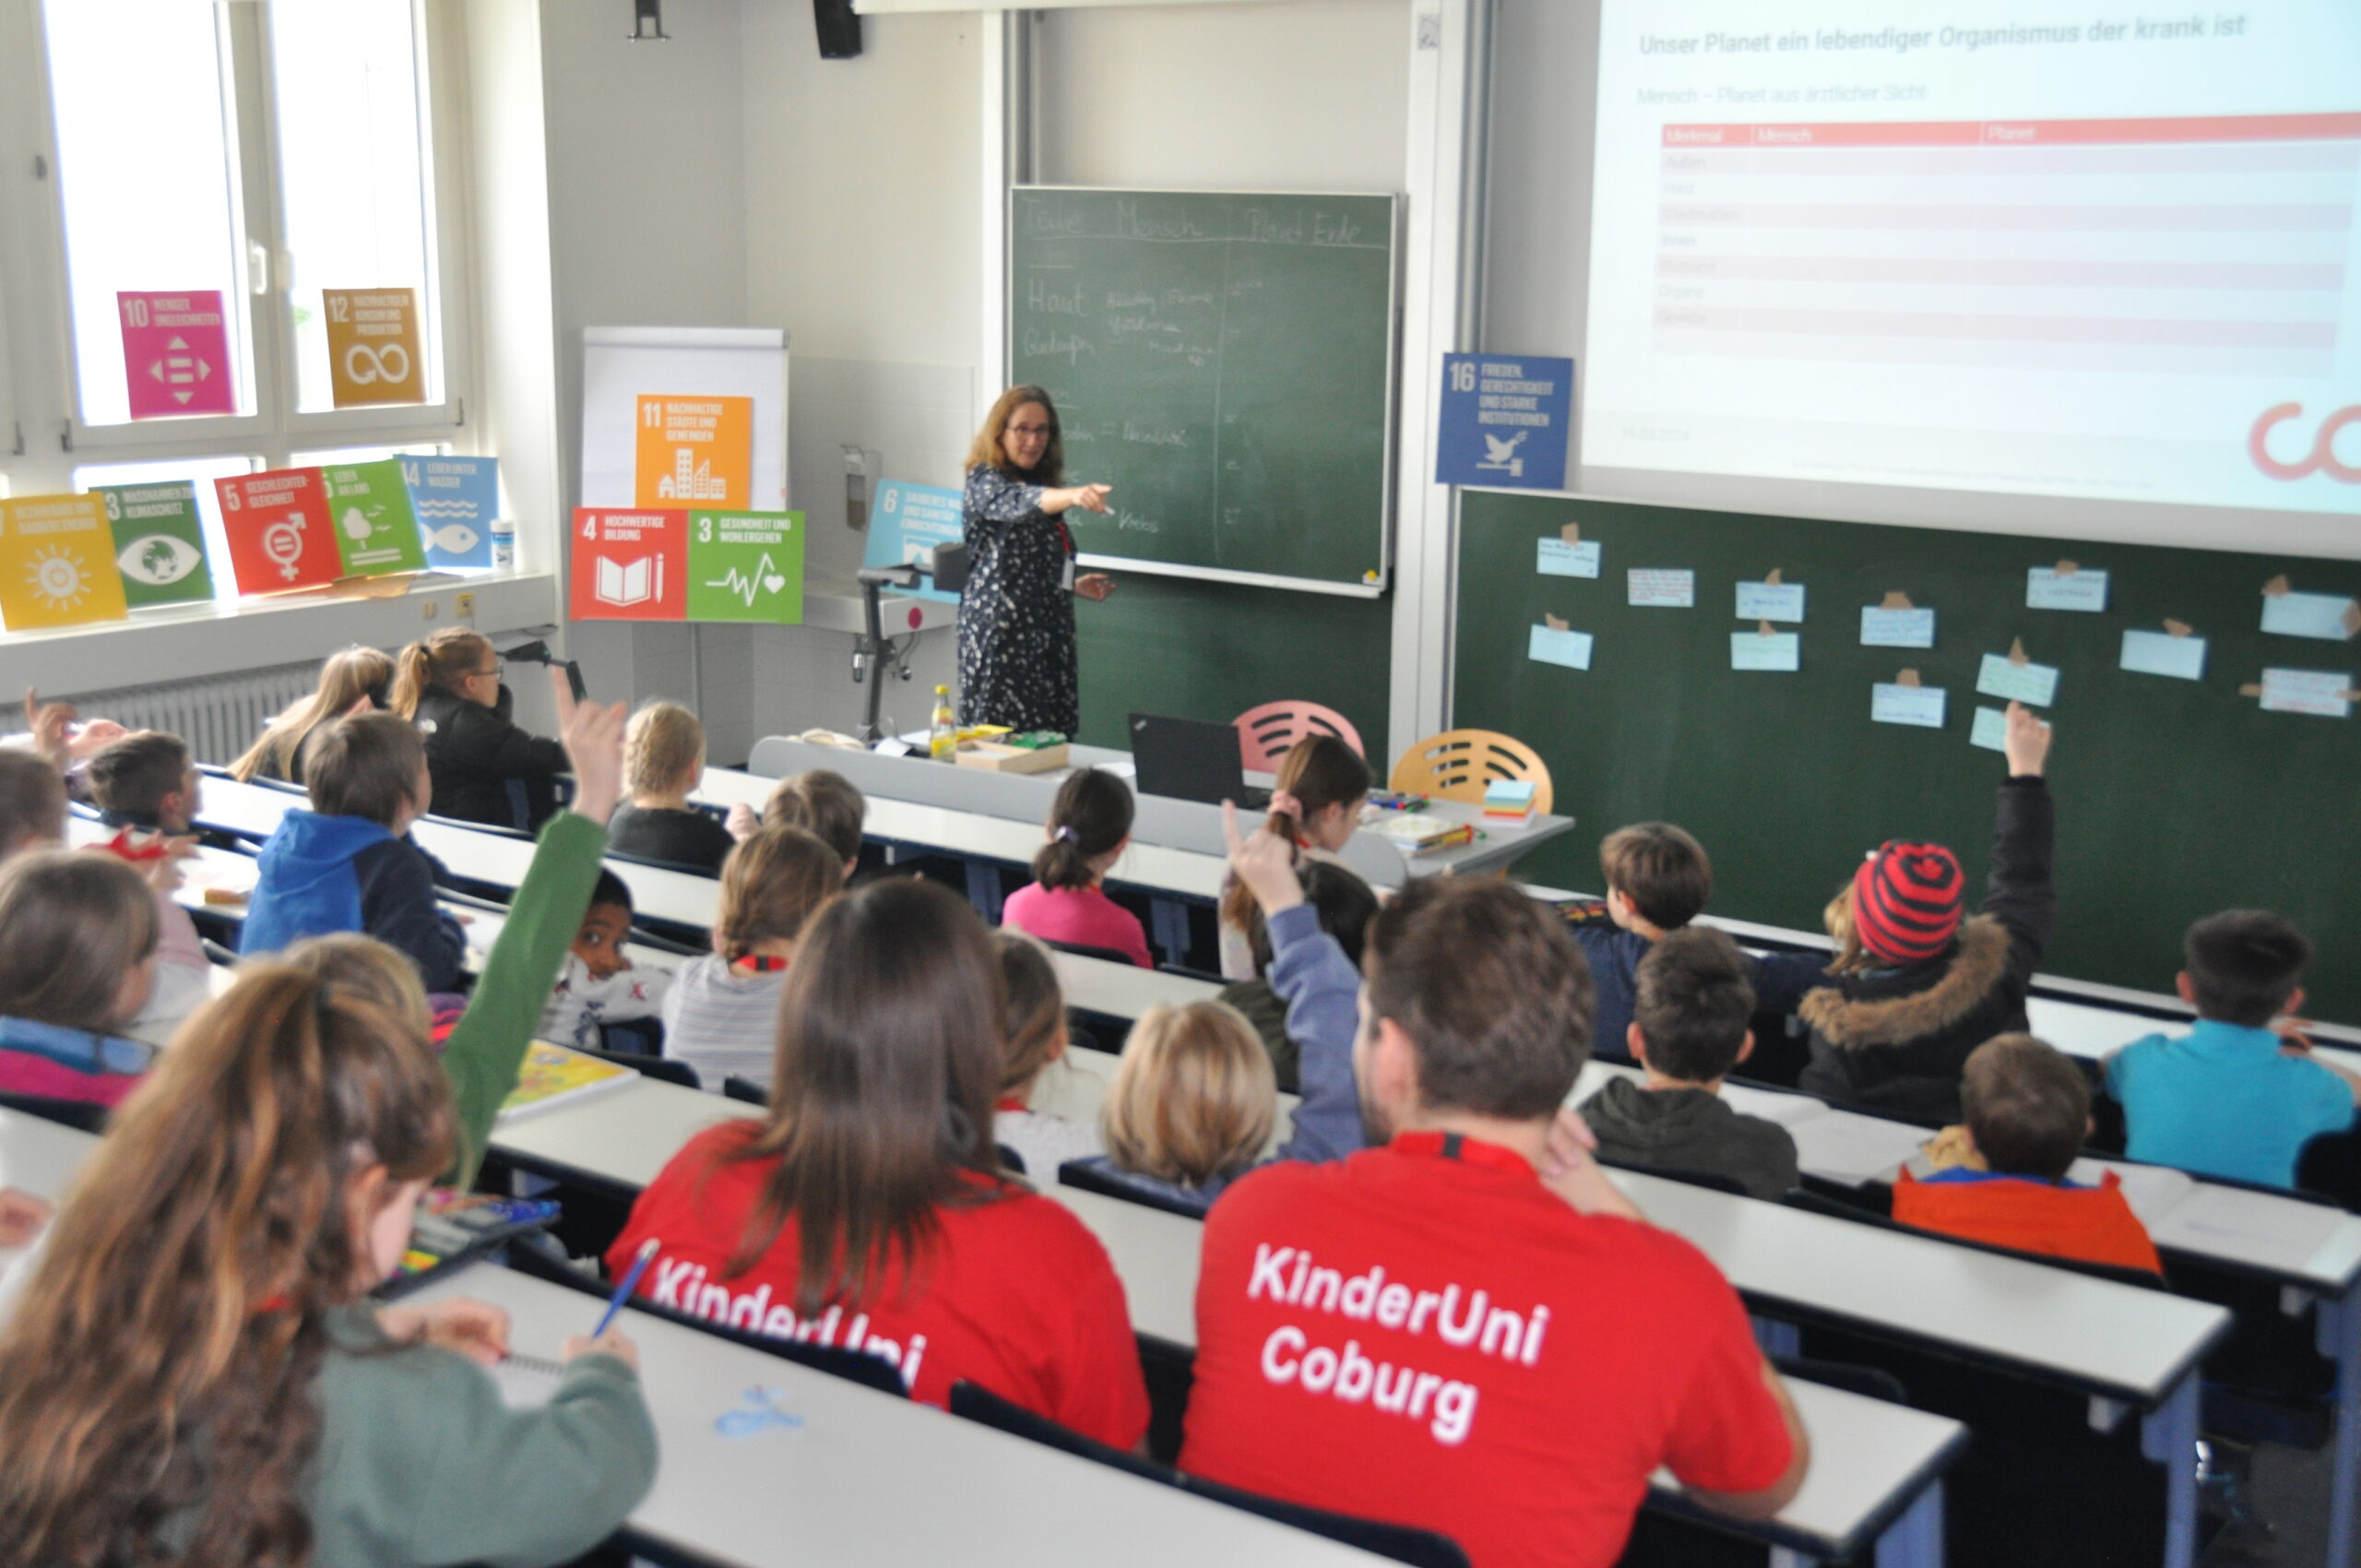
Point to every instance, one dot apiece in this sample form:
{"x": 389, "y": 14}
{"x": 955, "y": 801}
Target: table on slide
{"x": 867, "y": 1478}
{"x": 619, "y": 1140}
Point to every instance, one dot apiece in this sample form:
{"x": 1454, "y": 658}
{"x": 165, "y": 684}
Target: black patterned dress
{"x": 1017, "y": 657}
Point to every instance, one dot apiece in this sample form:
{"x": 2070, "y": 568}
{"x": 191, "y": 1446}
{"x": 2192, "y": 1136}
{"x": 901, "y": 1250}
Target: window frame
{"x": 277, "y": 427}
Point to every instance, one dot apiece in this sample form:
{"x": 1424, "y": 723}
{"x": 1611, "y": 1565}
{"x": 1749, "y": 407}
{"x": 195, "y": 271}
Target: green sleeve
{"x": 487, "y": 1047}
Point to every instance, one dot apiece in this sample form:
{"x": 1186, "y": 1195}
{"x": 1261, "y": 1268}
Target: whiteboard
{"x": 621, "y": 365}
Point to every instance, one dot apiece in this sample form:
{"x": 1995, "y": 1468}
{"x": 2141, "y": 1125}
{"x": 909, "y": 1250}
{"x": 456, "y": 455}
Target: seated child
{"x": 355, "y": 681}
{"x": 867, "y": 1210}
{"x": 347, "y": 863}
{"x": 147, "y": 787}
{"x": 663, "y": 760}
{"x": 449, "y": 685}
{"x": 599, "y": 986}
{"x": 2001, "y": 1178}
{"x": 1318, "y": 791}
{"x": 2232, "y": 1098}
{"x": 1090, "y": 825}
{"x": 824, "y": 803}
{"x": 721, "y": 1014}
{"x": 1689, "y": 1013}
{"x": 32, "y": 804}
{"x": 1037, "y": 1039}
{"x": 1193, "y": 1098}
{"x": 77, "y": 953}
{"x": 233, "y": 1225}
{"x": 1343, "y": 904}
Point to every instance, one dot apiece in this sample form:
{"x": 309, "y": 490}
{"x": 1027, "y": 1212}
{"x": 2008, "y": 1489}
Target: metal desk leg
{"x": 2168, "y": 1436}
{"x": 983, "y": 890}
{"x": 1916, "y": 1540}
{"x": 1171, "y": 917}
{"x": 2340, "y": 1340}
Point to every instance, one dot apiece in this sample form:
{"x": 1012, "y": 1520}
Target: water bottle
{"x": 943, "y": 735}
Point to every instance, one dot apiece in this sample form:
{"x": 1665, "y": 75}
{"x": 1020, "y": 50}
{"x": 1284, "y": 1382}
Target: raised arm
{"x": 2023, "y": 893}
{"x": 487, "y": 1047}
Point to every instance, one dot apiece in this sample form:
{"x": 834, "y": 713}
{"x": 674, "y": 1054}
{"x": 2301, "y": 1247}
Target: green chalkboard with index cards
{"x": 2175, "y": 797}
{"x": 1225, "y": 361}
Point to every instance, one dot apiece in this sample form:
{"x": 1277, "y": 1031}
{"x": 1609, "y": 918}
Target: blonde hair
{"x": 345, "y": 679}
{"x": 1193, "y": 1098}
{"x": 365, "y": 970}
{"x": 439, "y": 663}
{"x": 663, "y": 745}
{"x": 988, "y": 451}
{"x": 1036, "y": 1009}
{"x": 1851, "y": 957}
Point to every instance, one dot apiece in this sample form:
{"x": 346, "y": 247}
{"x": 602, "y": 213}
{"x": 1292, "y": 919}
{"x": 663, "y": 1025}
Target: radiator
{"x": 218, "y": 718}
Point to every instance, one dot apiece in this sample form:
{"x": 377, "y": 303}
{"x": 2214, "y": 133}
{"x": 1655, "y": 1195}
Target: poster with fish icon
{"x": 456, "y": 500}
{"x": 158, "y": 543}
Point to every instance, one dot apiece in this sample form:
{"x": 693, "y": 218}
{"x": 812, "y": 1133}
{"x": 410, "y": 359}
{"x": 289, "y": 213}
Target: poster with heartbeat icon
{"x": 746, "y": 567}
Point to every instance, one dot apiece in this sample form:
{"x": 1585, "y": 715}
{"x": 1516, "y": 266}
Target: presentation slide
{"x": 1977, "y": 252}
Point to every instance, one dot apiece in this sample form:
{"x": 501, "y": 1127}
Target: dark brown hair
{"x": 1319, "y": 771}
{"x": 1692, "y": 1003}
{"x": 889, "y": 1056}
{"x": 163, "y": 1364}
{"x": 2243, "y": 963}
{"x": 438, "y": 663}
{"x": 1661, "y": 869}
{"x": 1343, "y": 902}
{"x": 1091, "y": 815}
{"x": 345, "y": 679}
{"x": 825, "y": 804}
{"x": 988, "y": 451}
{"x": 32, "y": 800}
{"x": 366, "y": 766}
{"x": 132, "y": 775}
{"x": 2027, "y": 1106}
{"x": 76, "y": 924}
{"x": 1490, "y": 989}
{"x": 771, "y": 886}
{"x": 1035, "y": 1009}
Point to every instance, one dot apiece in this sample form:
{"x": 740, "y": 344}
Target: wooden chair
{"x": 1458, "y": 764}
{"x": 1265, "y": 733}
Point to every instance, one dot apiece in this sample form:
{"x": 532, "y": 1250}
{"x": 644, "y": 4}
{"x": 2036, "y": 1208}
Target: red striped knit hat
{"x": 1907, "y": 902}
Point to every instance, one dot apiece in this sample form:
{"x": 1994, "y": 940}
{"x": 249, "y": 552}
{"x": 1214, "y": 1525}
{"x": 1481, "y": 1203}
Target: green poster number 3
{"x": 705, "y": 531}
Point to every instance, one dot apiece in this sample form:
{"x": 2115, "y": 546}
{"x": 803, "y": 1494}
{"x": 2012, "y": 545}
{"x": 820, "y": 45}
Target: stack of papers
{"x": 1421, "y": 833}
{"x": 1509, "y": 801}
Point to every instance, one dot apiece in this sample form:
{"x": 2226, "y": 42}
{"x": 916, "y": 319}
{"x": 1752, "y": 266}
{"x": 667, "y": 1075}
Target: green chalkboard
{"x": 2175, "y": 798}
{"x": 1225, "y": 362}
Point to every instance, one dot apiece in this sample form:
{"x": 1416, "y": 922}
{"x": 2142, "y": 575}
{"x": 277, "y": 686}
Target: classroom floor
{"x": 2290, "y": 1491}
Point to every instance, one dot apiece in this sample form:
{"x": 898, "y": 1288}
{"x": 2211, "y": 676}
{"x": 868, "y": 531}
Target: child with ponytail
{"x": 449, "y": 686}
{"x": 1315, "y": 805}
{"x": 1090, "y": 826}
{"x": 195, "y": 1374}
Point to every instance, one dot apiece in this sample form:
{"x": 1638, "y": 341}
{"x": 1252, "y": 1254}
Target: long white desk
{"x": 869, "y": 1479}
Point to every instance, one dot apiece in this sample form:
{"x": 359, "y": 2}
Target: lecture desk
{"x": 865, "y": 1478}
{"x": 1879, "y": 1479}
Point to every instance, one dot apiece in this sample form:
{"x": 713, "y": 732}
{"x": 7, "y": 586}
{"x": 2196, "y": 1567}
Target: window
{"x": 335, "y": 185}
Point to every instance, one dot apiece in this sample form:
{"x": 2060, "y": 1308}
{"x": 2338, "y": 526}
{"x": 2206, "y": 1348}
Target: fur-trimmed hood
{"x": 1976, "y": 967}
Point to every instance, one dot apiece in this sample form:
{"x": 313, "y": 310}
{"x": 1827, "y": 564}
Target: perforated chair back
{"x": 1398, "y": 1543}
{"x": 1460, "y": 764}
{"x": 1265, "y": 733}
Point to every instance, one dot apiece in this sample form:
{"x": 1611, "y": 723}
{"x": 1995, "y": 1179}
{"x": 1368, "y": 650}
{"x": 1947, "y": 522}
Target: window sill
{"x": 193, "y": 641}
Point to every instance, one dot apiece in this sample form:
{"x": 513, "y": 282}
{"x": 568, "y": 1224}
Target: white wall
{"x": 1545, "y": 71}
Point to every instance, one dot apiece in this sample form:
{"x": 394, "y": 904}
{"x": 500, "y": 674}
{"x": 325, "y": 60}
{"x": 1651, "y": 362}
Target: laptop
{"x": 1191, "y": 759}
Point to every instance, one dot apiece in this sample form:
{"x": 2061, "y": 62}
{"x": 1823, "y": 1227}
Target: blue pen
{"x": 639, "y": 1263}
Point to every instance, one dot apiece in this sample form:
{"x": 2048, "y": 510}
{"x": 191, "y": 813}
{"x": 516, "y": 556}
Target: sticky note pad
{"x": 1556, "y": 558}
{"x": 2159, "y": 653}
{"x": 1659, "y": 588}
{"x": 1892, "y": 703}
{"x": 1780, "y": 650}
{"x": 2320, "y": 692}
{"x": 1546, "y": 644}
{"x": 1991, "y": 730}
{"x": 2322, "y": 615}
{"x": 1771, "y": 602}
{"x": 2036, "y": 683}
{"x": 1897, "y": 628}
{"x": 2048, "y": 589}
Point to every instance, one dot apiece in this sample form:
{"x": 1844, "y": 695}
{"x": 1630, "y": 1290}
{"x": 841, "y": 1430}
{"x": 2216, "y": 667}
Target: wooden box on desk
{"x": 1000, "y": 758}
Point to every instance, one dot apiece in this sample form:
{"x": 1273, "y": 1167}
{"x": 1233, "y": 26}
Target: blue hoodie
{"x": 322, "y": 874}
